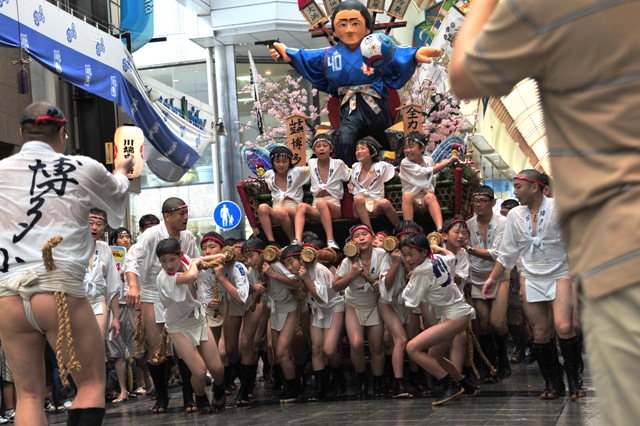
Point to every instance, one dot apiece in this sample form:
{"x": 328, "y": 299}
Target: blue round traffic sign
{"x": 227, "y": 215}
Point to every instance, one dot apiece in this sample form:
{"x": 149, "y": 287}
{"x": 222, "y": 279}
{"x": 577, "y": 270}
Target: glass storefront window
{"x": 195, "y": 187}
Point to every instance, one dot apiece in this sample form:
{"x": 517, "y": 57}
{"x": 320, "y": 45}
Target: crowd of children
{"x": 406, "y": 304}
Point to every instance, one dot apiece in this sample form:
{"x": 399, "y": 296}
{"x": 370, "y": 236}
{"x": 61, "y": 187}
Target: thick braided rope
{"x": 64, "y": 322}
{"x": 161, "y": 354}
{"x": 216, "y": 295}
{"x": 476, "y": 345}
{"x": 139, "y": 336}
{"x": 469, "y": 353}
{"x": 64, "y": 333}
{"x": 301, "y": 303}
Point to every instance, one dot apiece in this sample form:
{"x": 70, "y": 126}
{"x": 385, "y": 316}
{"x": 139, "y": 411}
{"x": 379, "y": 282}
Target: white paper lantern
{"x": 129, "y": 141}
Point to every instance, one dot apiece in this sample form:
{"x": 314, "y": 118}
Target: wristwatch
{"x": 469, "y": 249}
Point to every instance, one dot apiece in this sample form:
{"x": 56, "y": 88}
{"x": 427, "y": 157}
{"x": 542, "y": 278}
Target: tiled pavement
{"x": 513, "y": 401}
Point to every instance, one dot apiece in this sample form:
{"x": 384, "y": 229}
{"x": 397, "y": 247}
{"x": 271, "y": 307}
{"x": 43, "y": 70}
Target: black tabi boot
{"x": 159, "y": 376}
{"x": 519, "y": 345}
{"x": 85, "y": 417}
{"x": 504, "y": 366}
{"x": 469, "y": 386}
{"x": 580, "y": 364}
{"x": 571, "y": 353}
{"x": 451, "y": 391}
{"x": 557, "y": 370}
{"x": 203, "y": 404}
{"x": 363, "y": 385}
{"x": 187, "y": 389}
{"x": 321, "y": 377}
{"x": 543, "y": 353}
{"x": 244, "y": 373}
{"x": 488, "y": 347}
{"x": 278, "y": 378}
{"x": 229, "y": 377}
{"x": 291, "y": 391}
{"x": 337, "y": 382}
{"x": 398, "y": 388}
{"x": 378, "y": 387}
{"x": 219, "y": 396}
{"x": 418, "y": 382}
{"x": 252, "y": 380}
{"x": 302, "y": 379}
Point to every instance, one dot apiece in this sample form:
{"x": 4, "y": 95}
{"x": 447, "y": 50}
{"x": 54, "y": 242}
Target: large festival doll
{"x": 340, "y": 71}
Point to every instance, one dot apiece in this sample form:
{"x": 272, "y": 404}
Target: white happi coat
{"x": 102, "y": 280}
{"x": 280, "y": 298}
{"x": 415, "y": 178}
{"x": 45, "y": 194}
{"x": 237, "y": 275}
{"x": 330, "y": 300}
{"x": 296, "y": 177}
{"x": 380, "y": 171}
{"x": 432, "y": 282}
{"x": 338, "y": 174}
{"x": 543, "y": 257}
{"x": 179, "y": 304}
{"x": 143, "y": 260}
{"x": 481, "y": 268}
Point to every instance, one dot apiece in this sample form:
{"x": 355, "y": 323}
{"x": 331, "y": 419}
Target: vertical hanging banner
{"x": 297, "y": 138}
{"x": 136, "y": 17}
{"x": 253, "y": 75}
{"x": 93, "y": 60}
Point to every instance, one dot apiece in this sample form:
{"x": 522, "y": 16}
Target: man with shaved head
{"x": 142, "y": 268}
{"x": 532, "y": 235}
{"x": 46, "y": 193}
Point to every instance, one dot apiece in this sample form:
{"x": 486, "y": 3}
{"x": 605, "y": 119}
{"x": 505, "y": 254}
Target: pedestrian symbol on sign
{"x": 227, "y": 215}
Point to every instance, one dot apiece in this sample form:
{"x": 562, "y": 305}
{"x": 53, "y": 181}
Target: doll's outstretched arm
{"x": 424, "y": 54}
{"x": 279, "y": 51}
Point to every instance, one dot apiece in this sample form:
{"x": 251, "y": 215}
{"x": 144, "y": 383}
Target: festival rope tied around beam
{"x": 64, "y": 322}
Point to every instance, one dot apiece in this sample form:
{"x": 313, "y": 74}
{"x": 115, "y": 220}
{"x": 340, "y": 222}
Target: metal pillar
{"x": 227, "y": 101}
{"x": 215, "y": 146}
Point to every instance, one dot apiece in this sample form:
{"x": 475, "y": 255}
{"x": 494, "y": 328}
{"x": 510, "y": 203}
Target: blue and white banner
{"x": 93, "y": 60}
{"x": 136, "y": 16}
